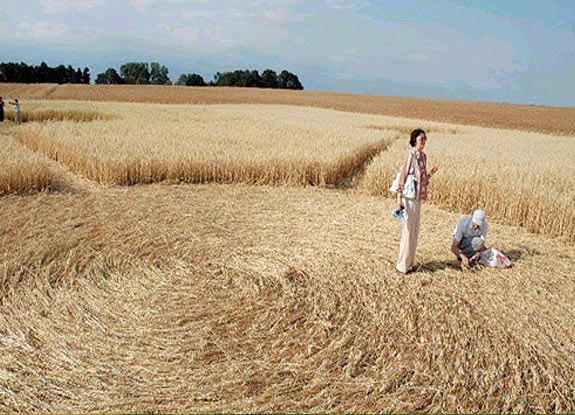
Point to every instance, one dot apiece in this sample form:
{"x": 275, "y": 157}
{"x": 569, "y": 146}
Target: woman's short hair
{"x": 414, "y": 135}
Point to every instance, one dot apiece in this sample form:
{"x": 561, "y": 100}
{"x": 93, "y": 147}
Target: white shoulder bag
{"x": 410, "y": 185}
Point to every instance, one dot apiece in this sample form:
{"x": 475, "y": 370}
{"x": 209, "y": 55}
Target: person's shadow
{"x": 434, "y": 266}
{"x": 516, "y": 254}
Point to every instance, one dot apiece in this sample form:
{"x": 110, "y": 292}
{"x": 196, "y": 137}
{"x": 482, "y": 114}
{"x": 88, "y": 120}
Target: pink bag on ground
{"x": 493, "y": 258}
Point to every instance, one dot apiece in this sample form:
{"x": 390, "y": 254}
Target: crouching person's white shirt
{"x": 464, "y": 234}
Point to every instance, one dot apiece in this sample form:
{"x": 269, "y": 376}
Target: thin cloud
{"x": 144, "y": 6}
{"x": 191, "y": 14}
{"x": 212, "y": 37}
{"x": 347, "y": 5}
{"x": 348, "y": 56}
{"x": 42, "y": 30}
{"x": 266, "y": 11}
{"x": 63, "y": 6}
{"x": 282, "y": 16}
{"x": 181, "y": 33}
{"x": 417, "y": 57}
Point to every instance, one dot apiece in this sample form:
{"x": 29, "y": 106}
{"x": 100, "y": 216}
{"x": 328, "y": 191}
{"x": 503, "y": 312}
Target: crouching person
{"x": 469, "y": 238}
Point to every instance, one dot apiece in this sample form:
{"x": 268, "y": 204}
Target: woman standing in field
{"x": 415, "y": 164}
{"x": 1, "y": 110}
{"x": 16, "y": 110}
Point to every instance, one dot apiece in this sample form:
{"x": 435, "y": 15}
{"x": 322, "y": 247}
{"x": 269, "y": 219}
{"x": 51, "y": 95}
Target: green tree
{"x": 247, "y": 78}
{"x": 20, "y": 72}
{"x": 269, "y": 79}
{"x": 288, "y": 80}
{"x": 227, "y": 78}
{"x": 135, "y": 73}
{"x": 78, "y": 76}
{"x": 71, "y": 75}
{"x": 159, "y": 74}
{"x": 42, "y": 73}
{"x": 62, "y": 75}
{"x": 110, "y": 77}
{"x": 86, "y": 76}
{"x": 191, "y": 79}
{"x": 250, "y": 79}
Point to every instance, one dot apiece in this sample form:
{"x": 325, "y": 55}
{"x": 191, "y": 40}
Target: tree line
{"x": 268, "y": 79}
{"x": 246, "y": 78}
{"x": 142, "y": 73}
{"x": 22, "y": 73}
{"x": 137, "y": 73}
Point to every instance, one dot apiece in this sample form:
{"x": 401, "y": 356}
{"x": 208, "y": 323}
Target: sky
{"x": 515, "y": 51}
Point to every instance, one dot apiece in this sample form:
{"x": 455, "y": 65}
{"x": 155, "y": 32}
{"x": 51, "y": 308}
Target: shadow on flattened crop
{"x": 434, "y": 266}
{"x": 57, "y": 115}
{"x": 513, "y": 254}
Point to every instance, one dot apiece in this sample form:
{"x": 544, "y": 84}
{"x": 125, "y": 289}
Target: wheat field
{"x": 522, "y": 179}
{"x": 264, "y": 281}
{"x": 255, "y": 144}
{"x": 557, "y": 121}
{"x": 22, "y": 170}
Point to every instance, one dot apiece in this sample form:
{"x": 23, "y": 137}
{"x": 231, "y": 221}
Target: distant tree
{"x": 247, "y": 78}
{"x": 288, "y": 80}
{"x": 182, "y": 79}
{"x": 159, "y": 74}
{"x": 110, "y": 77}
{"x": 250, "y": 79}
{"x": 20, "y": 72}
{"x": 142, "y": 73}
{"x": 227, "y": 78}
{"x": 195, "y": 80}
{"x": 25, "y": 73}
{"x": 135, "y": 73}
{"x": 191, "y": 79}
{"x": 244, "y": 79}
{"x": 269, "y": 79}
{"x": 102, "y": 79}
{"x": 78, "y": 76}
{"x": 61, "y": 74}
{"x": 86, "y": 76}
{"x": 71, "y": 75}
{"x": 42, "y": 72}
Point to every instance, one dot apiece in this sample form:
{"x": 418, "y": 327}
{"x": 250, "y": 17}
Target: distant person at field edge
{"x": 1, "y": 110}
{"x": 415, "y": 163}
{"x": 469, "y": 238}
{"x": 16, "y": 110}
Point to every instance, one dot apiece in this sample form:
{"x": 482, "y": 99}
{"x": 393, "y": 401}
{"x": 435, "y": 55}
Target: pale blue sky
{"x": 487, "y": 50}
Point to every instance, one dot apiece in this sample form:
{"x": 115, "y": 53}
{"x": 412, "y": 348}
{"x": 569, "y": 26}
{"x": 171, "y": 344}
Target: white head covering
{"x": 478, "y": 217}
